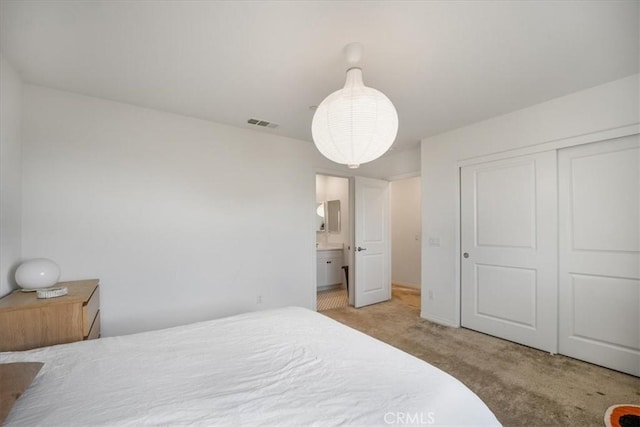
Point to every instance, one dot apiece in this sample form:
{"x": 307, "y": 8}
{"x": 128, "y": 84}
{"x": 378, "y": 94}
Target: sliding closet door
{"x": 599, "y": 253}
{"x": 509, "y": 244}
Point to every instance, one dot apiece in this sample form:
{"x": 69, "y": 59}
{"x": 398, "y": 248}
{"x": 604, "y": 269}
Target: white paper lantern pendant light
{"x": 356, "y": 124}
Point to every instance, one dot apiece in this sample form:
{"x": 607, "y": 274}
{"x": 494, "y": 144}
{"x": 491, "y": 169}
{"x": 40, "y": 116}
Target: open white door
{"x": 372, "y": 256}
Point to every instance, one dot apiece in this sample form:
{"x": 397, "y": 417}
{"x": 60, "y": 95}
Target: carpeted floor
{"x": 521, "y": 385}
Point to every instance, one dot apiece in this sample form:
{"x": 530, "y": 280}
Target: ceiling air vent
{"x": 262, "y": 123}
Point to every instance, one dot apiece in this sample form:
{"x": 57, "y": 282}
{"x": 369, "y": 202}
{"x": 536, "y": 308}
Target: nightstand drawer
{"x": 90, "y": 311}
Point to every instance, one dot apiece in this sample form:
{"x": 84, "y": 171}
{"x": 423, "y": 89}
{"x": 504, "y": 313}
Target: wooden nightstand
{"x": 27, "y": 322}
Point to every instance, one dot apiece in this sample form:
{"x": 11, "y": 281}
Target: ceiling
{"x": 443, "y": 64}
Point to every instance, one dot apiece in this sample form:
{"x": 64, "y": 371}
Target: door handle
{"x": 466, "y": 255}
{"x": 360, "y": 249}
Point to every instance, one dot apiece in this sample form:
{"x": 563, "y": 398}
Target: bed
{"x": 289, "y": 366}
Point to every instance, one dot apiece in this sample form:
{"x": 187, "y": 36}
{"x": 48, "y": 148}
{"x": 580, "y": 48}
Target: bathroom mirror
{"x": 320, "y": 222}
{"x": 328, "y": 216}
{"x": 332, "y": 215}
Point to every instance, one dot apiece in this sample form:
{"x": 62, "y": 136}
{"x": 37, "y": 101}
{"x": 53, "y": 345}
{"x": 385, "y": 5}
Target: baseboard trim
{"x": 329, "y": 288}
{"x": 438, "y": 320}
{"x": 406, "y": 285}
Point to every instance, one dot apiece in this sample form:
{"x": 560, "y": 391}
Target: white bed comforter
{"x": 280, "y": 367}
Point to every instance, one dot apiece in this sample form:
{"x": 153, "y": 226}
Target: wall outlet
{"x": 434, "y": 241}
{"x": 259, "y": 299}
{"x": 430, "y": 294}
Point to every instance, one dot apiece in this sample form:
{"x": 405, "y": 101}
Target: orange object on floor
{"x": 622, "y": 416}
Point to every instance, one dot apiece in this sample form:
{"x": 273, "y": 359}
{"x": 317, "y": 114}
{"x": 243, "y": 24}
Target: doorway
{"x": 333, "y": 233}
{"x": 337, "y": 200}
{"x": 363, "y": 238}
{"x": 406, "y": 238}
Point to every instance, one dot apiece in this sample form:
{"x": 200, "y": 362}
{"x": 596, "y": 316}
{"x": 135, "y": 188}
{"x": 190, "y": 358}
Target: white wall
{"x": 10, "y": 175}
{"x": 406, "y": 232}
{"x": 604, "y": 107}
{"x": 393, "y": 166}
{"x": 181, "y": 219}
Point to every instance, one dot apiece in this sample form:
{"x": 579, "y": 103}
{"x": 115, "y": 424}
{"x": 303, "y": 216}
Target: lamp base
{"x": 52, "y": 292}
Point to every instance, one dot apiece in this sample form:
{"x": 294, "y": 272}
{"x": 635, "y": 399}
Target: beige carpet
{"x": 334, "y": 298}
{"x": 521, "y": 385}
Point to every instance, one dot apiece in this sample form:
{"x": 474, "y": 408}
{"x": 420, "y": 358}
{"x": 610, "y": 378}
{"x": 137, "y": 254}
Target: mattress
{"x": 288, "y": 366}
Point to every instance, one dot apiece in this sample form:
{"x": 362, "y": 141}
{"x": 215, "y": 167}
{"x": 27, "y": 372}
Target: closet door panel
{"x": 599, "y": 253}
{"x": 509, "y": 244}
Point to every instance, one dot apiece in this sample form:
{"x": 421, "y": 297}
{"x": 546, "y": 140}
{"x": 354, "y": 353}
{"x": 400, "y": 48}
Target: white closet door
{"x": 509, "y": 240}
{"x": 599, "y": 253}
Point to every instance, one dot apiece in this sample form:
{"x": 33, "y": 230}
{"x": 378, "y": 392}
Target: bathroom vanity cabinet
{"x": 329, "y": 267}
